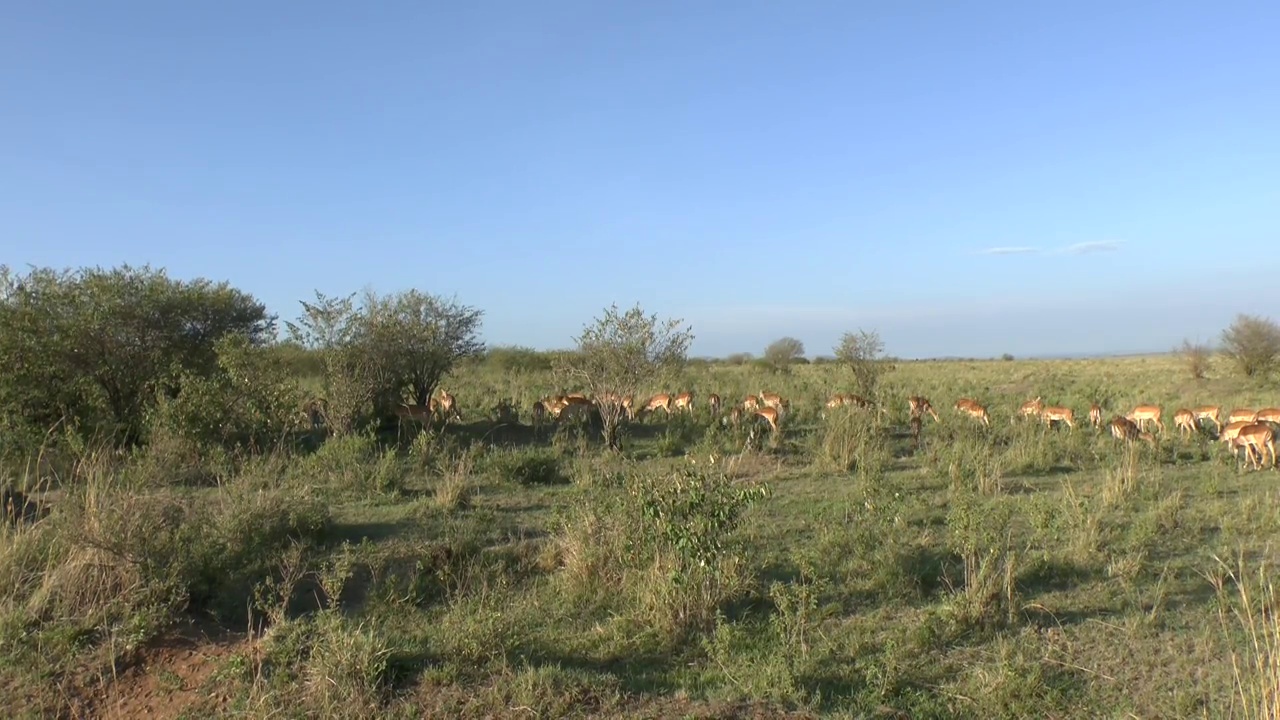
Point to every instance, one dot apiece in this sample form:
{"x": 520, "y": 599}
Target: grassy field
{"x": 838, "y": 570}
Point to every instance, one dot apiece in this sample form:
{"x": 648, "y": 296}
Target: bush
{"x": 528, "y": 468}
{"x": 1196, "y": 357}
{"x": 1253, "y": 343}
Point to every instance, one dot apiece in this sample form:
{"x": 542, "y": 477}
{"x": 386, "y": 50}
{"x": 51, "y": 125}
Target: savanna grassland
{"x": 836, "y": 569}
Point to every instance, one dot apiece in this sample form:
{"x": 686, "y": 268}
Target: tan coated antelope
{"x": 770, "y": 414}
{"x": 1142, "y": 413}
{"x": 1050, "y": 415}
{"x": 1122, "y": 428}
{"x": 683, "y": 401}
{"x": 1031, "y": 408}
{"x": 661, "y": 401}
{"x": 1209, "y": 412}
{"x": 773, "y": 400}
{"x": 918, "y": 405}
{"x": 1269, "y": 415}
{"x": 750, "y": 403}
{"x": 1240, "y": 414}
{"x": 1095, "y": 415}
{"x": 973, "y": 409}
{"x": 1185, "y": 422}
{"x": 448, "y": 406}
{"x": 1260, "y": 438}
{"x": 1229, "y": 431}
{"x": 713, "y": 403}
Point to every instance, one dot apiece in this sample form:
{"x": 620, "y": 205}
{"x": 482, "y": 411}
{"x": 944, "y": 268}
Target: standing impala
{"x": 1031, "y": 408}
{"x": 1050, "y": 415}
{"x": 713, "y": 402}
{"x": 683, "y": 401}
{"x": 1143, "y": 413}
{"x": 1095, "y": 415}
{"x": 1185, "y": 421}
{"x": 1240, "y": 414}
{"x": 973, "y": 409}
{"x": 1209, "y": 412}
{"x": 661, "y": 401}
{"x": 1258, "y": 438}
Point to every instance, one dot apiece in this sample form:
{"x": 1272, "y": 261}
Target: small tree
{"x": 617, "y": 354}
{"x": 782, "y": 352}
{"x": 863, "y": 353}
{"x": 371, "y": 352}
{"x": 1253, "y": 343}
{"x": 1196, "y": 356}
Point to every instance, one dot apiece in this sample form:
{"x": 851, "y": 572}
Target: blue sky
{"x": 966, "y": 178}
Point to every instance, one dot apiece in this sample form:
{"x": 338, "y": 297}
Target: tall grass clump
{"x": 1247, "y": 606}
{"x": 981, "y": 534}
{"x": 854, "y": 441}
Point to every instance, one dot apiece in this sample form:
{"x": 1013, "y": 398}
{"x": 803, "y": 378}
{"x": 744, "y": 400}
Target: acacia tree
{"x": 422, "y": 338}
{"x": 1253, "y": 343}
{"x": 863, "y": 353}
{"x": 370, "y": 352}
{"x": 618, "y": 353}
{"x": 782, "y": 352}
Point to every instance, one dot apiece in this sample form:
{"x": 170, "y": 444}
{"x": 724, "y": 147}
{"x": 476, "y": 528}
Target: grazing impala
{"x": 1122, "y": 428}
{"x": 918, "y": 405}
{"x": 1185, "y": 421}
{"x": 750, "y": 403}
{"x": 683, "y": 401}
{"x": 1143, "y": 413}
{"x": 713, "y": 403}
{"x": 1050, "y": 415}
{"x": 1209, "y": 412}
{"x": 661, "y": 401}
{"x": 770, "y": 414}
{"x": 1031, "y": 408}
{"x": 1229, "y": 432}
{"x": 734, "y": 417}
{"x": 973, "y": 409}
{"x": 1270, "y": 415}
{"x": 1260, "y": 438}
{"x": 1241, "y": 414}
{"x": 1095, "y": 415}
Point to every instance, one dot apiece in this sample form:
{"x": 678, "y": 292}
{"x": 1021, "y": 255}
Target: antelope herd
{"x": 1245, "y": 429}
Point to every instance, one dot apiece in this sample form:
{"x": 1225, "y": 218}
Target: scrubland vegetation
{"x": 187, "y": 536}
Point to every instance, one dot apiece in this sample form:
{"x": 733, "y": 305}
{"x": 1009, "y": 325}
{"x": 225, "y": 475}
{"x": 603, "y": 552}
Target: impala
{"x": 770, "y": 414}
{"x": 1031, "y": 408}
{"x": 974, "y": 410}
{"x": 573, "y": 404}
{"x": 417, "y": 413}
{"x": 1209, "y": 412}
{"x": 1122, "y": 428}
{"x": 1270, "y": 415}
{"x": 539, "y": 412}
{"x": 660, "y": 401}
{"x": 683, "y": 401}
{"x": 1143, "y": 413}
{"x": 1059, "y": 414}
{"x": 449, "y": 406}
{"x": 1241, "y": 414}
{"x": 772, "y": 400}
{"x": 1260, "y": 438}
{"x": 751, "y": 402}
{"x": 1185, "y": 421}
{"x": 919, "y": 405}
{"x": 1095, "y": 415}
{"x": 713, "y": 402}
{"x": 1231, "y": 430}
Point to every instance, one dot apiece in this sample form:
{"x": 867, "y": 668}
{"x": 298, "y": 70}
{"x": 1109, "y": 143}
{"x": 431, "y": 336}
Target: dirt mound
{"x": 170, "y": 677}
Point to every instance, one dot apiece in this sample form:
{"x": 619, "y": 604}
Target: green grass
{"x": 1013, "y": 571}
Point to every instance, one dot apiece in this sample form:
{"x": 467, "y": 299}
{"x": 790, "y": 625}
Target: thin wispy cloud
{"x": 1015, "y": 250}
{"x": 1088, "y": 248}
